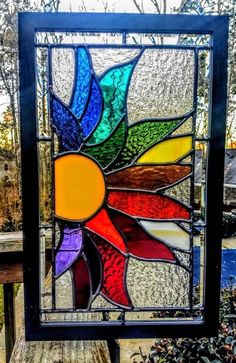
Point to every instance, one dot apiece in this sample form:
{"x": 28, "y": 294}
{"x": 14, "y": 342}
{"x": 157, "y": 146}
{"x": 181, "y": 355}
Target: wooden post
{"x": 8, "y": 290}
{"x": 114, "y": 350}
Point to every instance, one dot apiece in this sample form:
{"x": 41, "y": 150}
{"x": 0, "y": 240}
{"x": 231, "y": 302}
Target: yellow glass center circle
{"x": 79, "y": 187}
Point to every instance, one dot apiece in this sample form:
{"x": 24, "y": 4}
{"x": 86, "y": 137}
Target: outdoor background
{"x": 10, "y": 164}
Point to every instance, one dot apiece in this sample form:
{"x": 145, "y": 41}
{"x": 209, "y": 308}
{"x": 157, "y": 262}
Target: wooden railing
{"x": 11, "y": 272}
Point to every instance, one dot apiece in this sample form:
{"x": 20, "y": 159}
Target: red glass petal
{"x": 114, "y": 273}
{"x": 147, "y": 205}
{"x": 146, "y": 177}
{"x": 104, "y": 227}
{"x": 81, "y": 279}
{"x": 140, "y": 244}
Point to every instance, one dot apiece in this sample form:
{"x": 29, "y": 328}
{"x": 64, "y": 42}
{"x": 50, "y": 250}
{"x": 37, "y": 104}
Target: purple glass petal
{"x": 69, "y": 250}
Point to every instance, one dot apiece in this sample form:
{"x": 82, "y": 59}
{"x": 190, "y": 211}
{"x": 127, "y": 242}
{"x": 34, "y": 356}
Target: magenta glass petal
{"x": 140, "y": 244}
{"x": 82, "y": 284}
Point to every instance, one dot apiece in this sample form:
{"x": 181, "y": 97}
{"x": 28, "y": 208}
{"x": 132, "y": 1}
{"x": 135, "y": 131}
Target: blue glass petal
{"x": 69, "y": 250}
{"x": 94, "y": 109}
{"x": 66, "y": 125}
{"x": 82, "y": 83}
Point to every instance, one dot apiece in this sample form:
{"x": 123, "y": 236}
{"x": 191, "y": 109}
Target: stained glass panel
{"x": 122, "y": 165}
{"x": 117, "y": 133}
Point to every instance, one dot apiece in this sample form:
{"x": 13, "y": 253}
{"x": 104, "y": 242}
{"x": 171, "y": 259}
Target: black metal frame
{"x": 217, "y": 27}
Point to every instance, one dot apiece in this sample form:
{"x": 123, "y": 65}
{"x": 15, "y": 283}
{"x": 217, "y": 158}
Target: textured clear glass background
{"x": 203, "y": 93}
{"x": 63, "y": 70}
{"x": 105, "y": 58}
{"x": 45, "y": 182}
{"x": 82, "y": 38}
{"x": 161, "y": 84}
{"x": 42, "y": 92}
{"x": 131, "y": 38}
{"x": 167, "y": 39}
{"x": 150, "y": 284}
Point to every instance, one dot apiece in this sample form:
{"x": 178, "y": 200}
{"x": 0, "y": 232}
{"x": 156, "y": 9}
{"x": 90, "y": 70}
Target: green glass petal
{"x": 141, "y": 136}
{"x": 114, "y": 86}
{"x": 105, "y": 152}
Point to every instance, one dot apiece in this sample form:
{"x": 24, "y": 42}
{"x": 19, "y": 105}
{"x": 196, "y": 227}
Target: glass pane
{"x": 122, "y": 140}
{"x": 162, "y": 285}
{"x": 80, "y": 37}
{"x": 185, "y": 128}
{"x": 203, "y": 93}
{"x": 167, "y": 151}
{"x": 42, "y": 88}
{"x": 167, "y": 39}
{"x": 181, "y": 192}
{"x": 45, "y": 268}
{"x": 103, "y": 59}
{"x": 63, "y": 67}
{"x": 45, "y": 182}
{"x": 161, "y": 85}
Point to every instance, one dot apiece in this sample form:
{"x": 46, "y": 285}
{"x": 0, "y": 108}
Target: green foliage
{"x": 228, "y": 223}
{"x": 205, "y": 350}
{"x": 10, "y": 181}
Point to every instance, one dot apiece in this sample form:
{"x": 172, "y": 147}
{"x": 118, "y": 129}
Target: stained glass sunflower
{"x": 109, "y": 181}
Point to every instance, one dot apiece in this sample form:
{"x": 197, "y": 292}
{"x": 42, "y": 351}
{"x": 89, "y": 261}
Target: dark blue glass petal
{"x": 66, "y": 126}
{"x": 94, "y": 109}
{"x": 82, "y": 83}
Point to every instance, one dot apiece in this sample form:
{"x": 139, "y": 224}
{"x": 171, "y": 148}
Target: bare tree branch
{"x": 141, "y": 10}
{"x": 155, "y": 3}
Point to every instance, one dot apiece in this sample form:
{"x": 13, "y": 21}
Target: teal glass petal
{"x": 141, "y": 136}
{"x": 107, "y": 151}
{"x": 82, "y": 82}
{"x": 114, "y": 84}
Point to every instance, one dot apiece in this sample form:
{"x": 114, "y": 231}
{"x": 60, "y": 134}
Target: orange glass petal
{"x": 79, "y": 187}
{"x": 102, "y": 225}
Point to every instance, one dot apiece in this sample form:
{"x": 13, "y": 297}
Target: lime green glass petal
{"x": 167, "y": 151}
{"x": 106, "y": 152}
{"x": 114, "y": 85}
{"x": 141, "y": 136}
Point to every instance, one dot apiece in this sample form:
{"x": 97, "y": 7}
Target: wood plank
{"x": 9, "y": 319}
{"x": 13, "y": 241}
{"x": 53, "y": 351}
{"x": 11, "y": 272}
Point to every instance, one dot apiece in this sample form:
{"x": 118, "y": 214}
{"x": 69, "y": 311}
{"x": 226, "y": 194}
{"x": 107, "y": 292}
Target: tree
{"x": 9, "y": 125}
{"x": 219, "y": 7}
{"x": 207, "y": 7}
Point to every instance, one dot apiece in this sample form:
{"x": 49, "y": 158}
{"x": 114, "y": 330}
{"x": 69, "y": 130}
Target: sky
{"x": 116, "y": 5}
